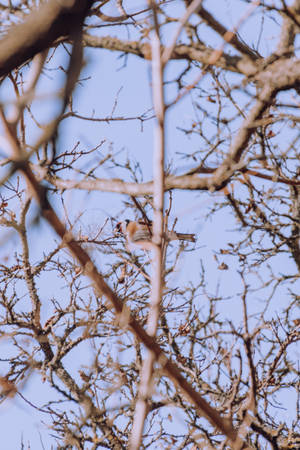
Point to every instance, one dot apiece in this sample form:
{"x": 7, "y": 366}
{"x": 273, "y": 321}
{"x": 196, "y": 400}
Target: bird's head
{"x": 121, "y": 227}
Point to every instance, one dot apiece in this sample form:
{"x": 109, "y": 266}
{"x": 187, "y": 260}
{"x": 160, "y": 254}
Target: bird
{"x": 139, "y": 233}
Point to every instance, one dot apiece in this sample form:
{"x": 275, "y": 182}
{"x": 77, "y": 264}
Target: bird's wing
{"x": 141, "y": 234}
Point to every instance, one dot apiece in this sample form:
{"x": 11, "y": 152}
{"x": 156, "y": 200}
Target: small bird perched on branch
{"x": 139, "y": 233}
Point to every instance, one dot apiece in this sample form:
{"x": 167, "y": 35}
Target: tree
{"x": 167, "y": 348}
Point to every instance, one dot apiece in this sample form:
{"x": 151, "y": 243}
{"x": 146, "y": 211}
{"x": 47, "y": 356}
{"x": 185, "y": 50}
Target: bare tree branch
{"x": 39, "y": 31}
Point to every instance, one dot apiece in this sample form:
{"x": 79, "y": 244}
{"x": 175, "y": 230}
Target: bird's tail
{"x": 186, "y": 237}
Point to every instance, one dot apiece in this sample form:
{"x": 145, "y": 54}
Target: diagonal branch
{"x": 102, "y": 288}
{"x": 226, "y": 35}
{"x": 169, "y": 368}
{"x": 40, "y": 30}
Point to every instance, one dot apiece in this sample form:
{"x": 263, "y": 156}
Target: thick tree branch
{"x": 189, "y": 181}
{"x": 191, "y": 52}
{"x": 38, "y": 32}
